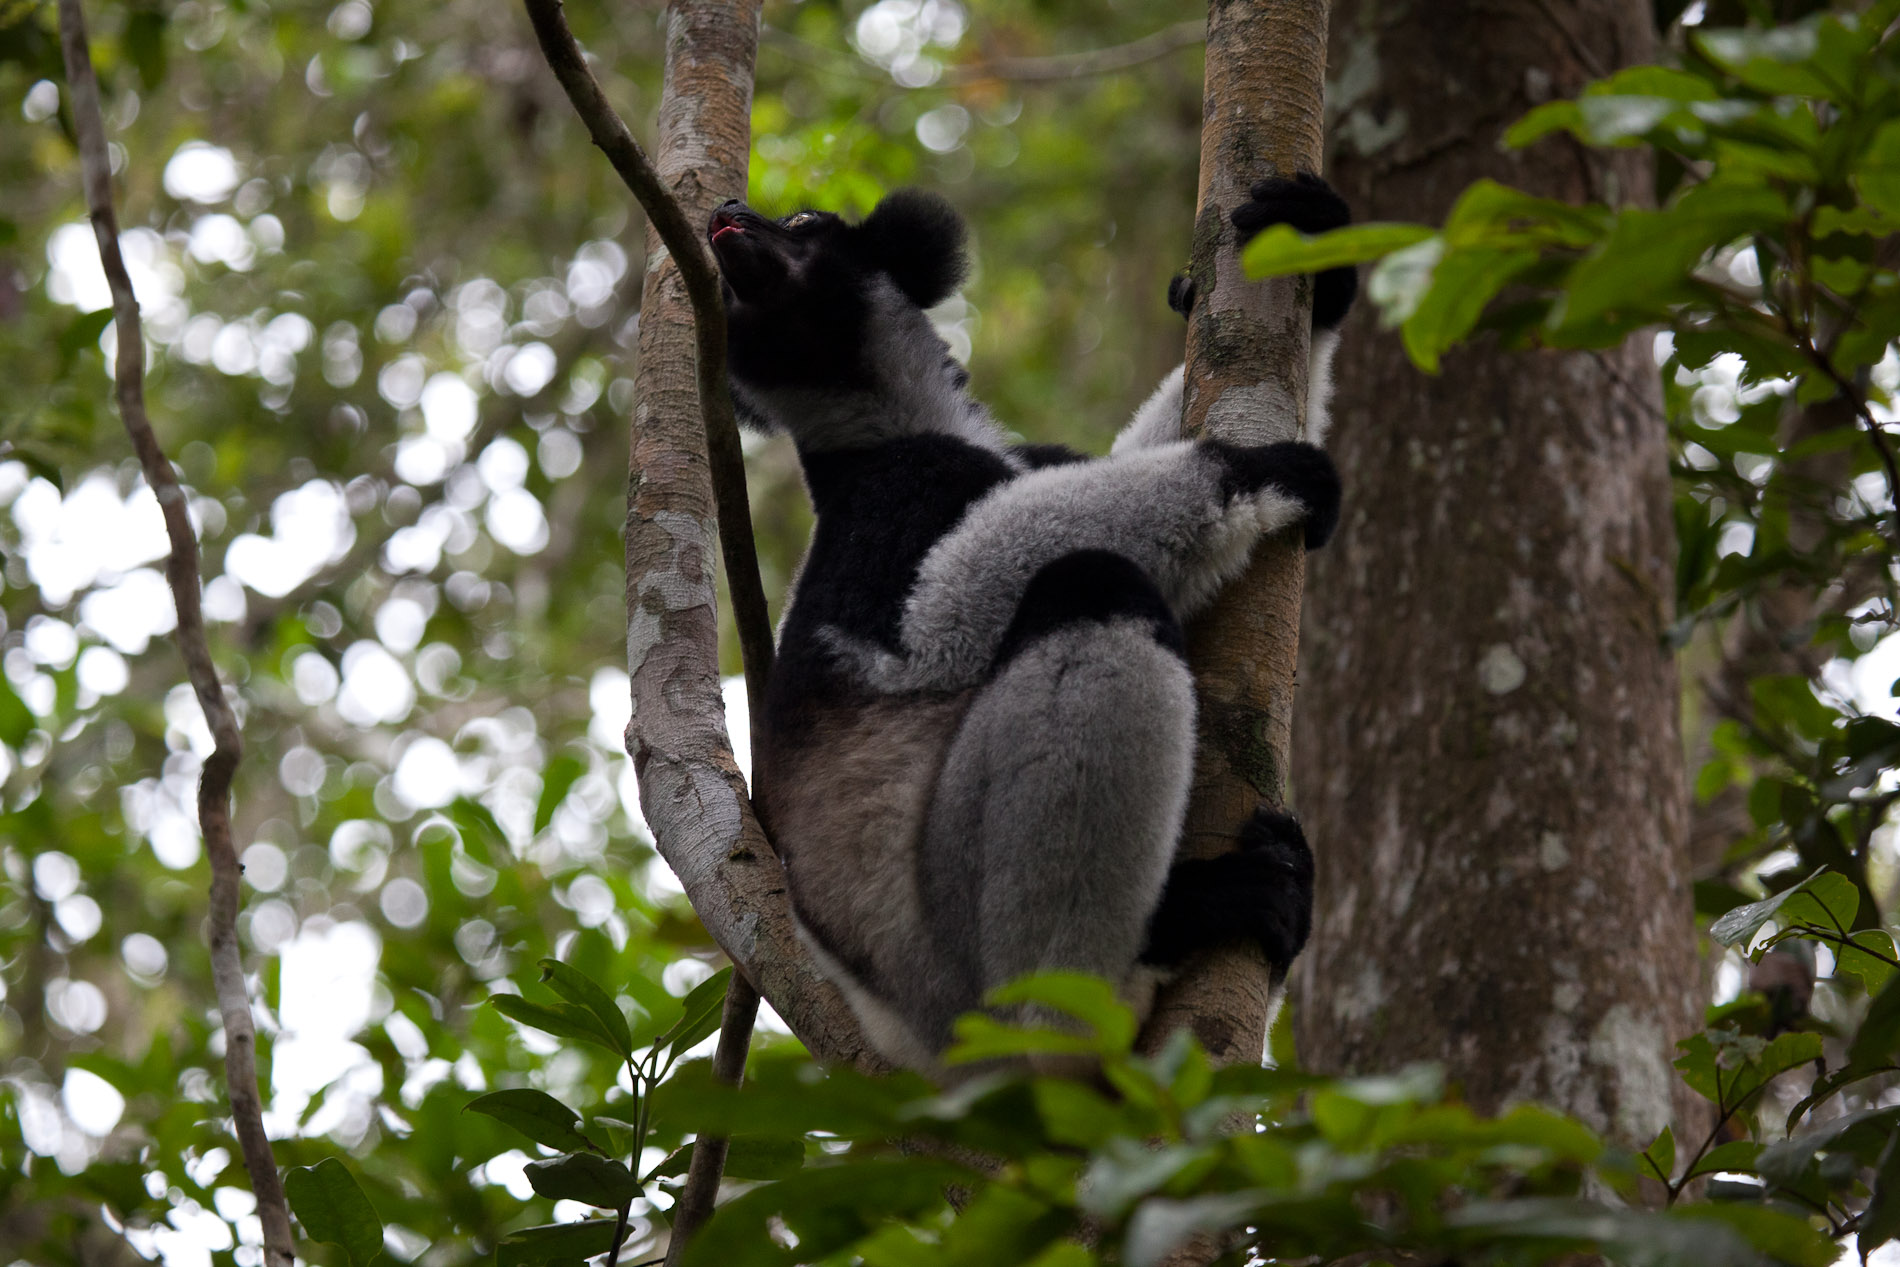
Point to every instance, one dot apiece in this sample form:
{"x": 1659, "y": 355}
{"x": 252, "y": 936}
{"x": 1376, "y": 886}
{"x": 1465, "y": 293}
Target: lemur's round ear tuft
{"x": 917, "y": 238}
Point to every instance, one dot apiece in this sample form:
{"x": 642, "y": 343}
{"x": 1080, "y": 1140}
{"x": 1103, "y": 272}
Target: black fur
{"x": 1299, "y": 470}
{"x": 879, "y": 511}
{"x": 918, "y": 239}
{"x": 1089, "y": 586}
{"x": 1037, "y": 456}
{"x": 1308, "y": 204}
{"x": 1262, "y": 893}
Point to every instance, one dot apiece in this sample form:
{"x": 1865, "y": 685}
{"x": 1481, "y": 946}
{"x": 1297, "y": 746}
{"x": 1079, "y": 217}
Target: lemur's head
{"x": 825, "y": 321}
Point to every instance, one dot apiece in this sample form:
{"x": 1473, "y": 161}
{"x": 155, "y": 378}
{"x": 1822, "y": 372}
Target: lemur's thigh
{"x": 1059, "y": 804}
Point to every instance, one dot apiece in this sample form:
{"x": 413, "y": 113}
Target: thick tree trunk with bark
{"x": 1489, "y": 757}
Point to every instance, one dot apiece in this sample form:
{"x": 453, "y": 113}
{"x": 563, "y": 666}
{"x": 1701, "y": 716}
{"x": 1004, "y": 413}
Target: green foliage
{"x": 327, "y": 1201}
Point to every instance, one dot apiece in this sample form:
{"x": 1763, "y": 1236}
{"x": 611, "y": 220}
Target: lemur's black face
{"x": 802, "y": 293}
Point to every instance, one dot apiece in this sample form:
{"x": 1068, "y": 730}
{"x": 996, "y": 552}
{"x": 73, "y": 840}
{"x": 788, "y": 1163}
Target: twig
{"x": 181, "y": 571}
{"x": 1057, "y": 68}
{"x": 611, "y": 136}
{"x": 727, "y": 464}
{"x": 709, "y": 1152}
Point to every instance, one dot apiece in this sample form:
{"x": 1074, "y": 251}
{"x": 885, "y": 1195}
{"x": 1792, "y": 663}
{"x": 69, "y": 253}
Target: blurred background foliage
{"x": 391, "y": 294}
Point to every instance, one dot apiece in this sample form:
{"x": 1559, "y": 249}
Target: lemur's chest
{"x": 880, "y": 512}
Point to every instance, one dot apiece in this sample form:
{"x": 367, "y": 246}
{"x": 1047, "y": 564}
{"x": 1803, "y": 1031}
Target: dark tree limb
{"x": 181, "y": 572}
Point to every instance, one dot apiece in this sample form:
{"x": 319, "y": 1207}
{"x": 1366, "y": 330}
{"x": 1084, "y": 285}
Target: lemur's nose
{"x": 730, "y": 202}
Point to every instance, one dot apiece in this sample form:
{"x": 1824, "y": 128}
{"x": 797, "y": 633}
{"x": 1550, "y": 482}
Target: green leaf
{"x": 552, "y": 1241}
{"x": 577, "y": 988}
{"x": 1401, "y": 279}
{"x": 1739, "y": 1154}
{"x": 1282, "y": 250}
{"x": 584, "y": 1177}
{"x": 1649, "y": 256}
{"x": 1868, "y": 958}
{"x": 556, "y": 779}
{"x": 16, "y": 719}
{"x": 1463, "y": 282}
{"x": 764, "y": 1156}
{"x": 1002, "y": 1226}
{"x": 1880, "y": 1221}
{"x": 332, "y": 1208}
{"x": 828, "y": 1208}
{"x": 145, "y": 41}
{"x": 1877, "y": 175}
{"x": 1161, "y": 1225}
{"x": 536, "y": 1114}
{"x": 1661, "y": 1155}
{"x": 1786, "y": 1238}
{"x": 1878, "y": 1039}
{"x": 81, "y": 333}
{"x": 1739, "y": 926}
{"x": 699, "y": 1015}
{"x": 563, "y": 1019}
{"x": 1088, "y": 999}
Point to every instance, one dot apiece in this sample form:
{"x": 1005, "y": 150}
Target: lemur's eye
{"x": 802, "y": 219}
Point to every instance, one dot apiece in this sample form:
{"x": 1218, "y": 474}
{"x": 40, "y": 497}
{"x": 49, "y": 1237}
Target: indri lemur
{"x": 976, "y": 746}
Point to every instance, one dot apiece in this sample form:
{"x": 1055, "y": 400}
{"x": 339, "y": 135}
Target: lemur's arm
{"x": 1308, "y": 204}
{"x": 1188, "y": 514}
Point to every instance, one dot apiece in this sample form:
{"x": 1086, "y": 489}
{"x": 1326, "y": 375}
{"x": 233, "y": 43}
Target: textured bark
{"x": 1246, "y": 383}
{"x": 181, "y": 575}
{"x": 1490, "y": 762}
{"x": 690, "y": 787}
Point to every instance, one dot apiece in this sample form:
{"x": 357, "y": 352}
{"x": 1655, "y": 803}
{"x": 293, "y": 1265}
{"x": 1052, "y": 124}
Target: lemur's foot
{"x": 1310, "y": 205}
{"x": 1292, "y": 469}
{"x": 1262, "y": 893}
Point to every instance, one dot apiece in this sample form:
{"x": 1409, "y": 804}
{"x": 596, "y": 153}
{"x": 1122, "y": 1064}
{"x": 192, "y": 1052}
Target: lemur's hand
{"x": 1291, "y": 469}
{"x": 1310, "y": 205}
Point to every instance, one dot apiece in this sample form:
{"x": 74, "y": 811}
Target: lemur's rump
{"x": 975, "y": 751}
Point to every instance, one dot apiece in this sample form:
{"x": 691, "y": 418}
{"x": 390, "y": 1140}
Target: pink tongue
{"x": 724, "y": 229}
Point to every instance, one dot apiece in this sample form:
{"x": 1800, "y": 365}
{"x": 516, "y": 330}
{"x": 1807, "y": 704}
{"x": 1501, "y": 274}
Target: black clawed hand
{"x": 1310, "y": 205}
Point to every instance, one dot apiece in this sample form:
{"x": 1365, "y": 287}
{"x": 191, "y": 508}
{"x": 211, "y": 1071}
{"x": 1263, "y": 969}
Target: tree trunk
{"x": 1246, "y": 384}
{"x": 1489, "y": 762}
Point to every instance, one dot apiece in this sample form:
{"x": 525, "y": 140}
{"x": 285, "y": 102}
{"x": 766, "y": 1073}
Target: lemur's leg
{"x": 1057, "y": 810}
{"x": 1187, "y": 515}
{"x": 1308, "y": 204}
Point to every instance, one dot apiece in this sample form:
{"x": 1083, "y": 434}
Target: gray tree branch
{"x": 702, "y": 817}
{"x": 181, "y": 571}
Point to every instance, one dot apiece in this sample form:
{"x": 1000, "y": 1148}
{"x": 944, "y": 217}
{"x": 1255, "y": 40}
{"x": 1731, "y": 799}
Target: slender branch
{"x": 611, "y": 136}
{"x": 1057, "y": 68}
{"x": 1876, "y": 434}
{"x": 709, "y": 1152}
{"x": 181, "y": 572}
